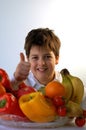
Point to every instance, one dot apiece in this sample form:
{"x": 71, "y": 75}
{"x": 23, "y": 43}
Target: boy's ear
{"x": 57, "y": 59}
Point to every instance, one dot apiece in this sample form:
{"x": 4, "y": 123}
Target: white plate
{"x": 19, "y": 122}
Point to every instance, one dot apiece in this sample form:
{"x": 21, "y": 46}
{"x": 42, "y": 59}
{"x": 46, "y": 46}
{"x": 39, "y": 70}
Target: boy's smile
{"x": 42, "y": 69}
{"x": 42, "y": 63}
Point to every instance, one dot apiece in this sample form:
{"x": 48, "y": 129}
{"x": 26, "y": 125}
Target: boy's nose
{"x": 41, "y": 61}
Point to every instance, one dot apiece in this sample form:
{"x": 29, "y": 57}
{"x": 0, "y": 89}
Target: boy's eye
{"x": 44, "y": 57}
{"x": 35, "y": 57}
{"x": 48, "y": 56}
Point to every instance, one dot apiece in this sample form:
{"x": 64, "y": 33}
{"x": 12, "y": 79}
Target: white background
{"x": 66, "y": 17}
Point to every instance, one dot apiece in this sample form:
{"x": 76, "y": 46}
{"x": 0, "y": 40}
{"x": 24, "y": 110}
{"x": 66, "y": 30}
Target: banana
{"x": 74, "y": 109}
{"x": 78, "y": 89}
{"x": 77, "y": 85}
{"x": 68, "y": 86}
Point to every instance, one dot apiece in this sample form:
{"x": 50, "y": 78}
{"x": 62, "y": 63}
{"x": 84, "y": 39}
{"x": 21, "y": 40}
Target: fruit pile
{"x": 46, "y": 104}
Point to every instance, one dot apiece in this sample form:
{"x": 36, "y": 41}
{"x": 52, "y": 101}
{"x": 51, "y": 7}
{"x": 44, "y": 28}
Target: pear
{"x": 42, "y": 90}
{"x": 74, "y": 109}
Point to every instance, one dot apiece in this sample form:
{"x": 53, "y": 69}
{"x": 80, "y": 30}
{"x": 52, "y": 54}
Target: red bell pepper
{"x": 9, "y": 105}
{"x": 23, "y": 89}
{"x": 4, "y": 79}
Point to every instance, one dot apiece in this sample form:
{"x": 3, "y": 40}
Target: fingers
{"x": 22, "y": 57}
{"x": 24, "y": 63}
{"x": 24, "y": 66}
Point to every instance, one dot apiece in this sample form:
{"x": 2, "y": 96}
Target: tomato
{"x": 61, "y": 111}
{"x": 80, "y": 121}
{"x": 4, "y": 79}
{"x": 23, "y": 89}
{"x": 84, "y": 113}
{"x": 58, "y": 101}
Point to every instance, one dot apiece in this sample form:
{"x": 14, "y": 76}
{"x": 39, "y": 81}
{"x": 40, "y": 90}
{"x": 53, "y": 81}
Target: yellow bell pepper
{"x": 37, "y": 108}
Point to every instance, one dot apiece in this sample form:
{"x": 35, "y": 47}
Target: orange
{"x": 54, "y": 88}
{"x": 2, "y": 89}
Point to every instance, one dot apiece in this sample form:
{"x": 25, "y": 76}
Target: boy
{"x": 42, "y": 53}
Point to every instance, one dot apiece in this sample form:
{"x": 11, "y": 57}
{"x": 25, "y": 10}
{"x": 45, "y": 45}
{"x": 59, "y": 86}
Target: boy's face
{"x": 42, "y": 63}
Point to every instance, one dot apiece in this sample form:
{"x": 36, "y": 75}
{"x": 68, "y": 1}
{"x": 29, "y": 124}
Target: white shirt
{"x": 32, "y": 81}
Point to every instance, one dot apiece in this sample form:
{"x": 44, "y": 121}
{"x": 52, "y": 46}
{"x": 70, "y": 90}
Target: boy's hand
{"x": 22, "y": 69}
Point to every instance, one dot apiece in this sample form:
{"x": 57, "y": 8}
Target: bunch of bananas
{"x": 74, "y": 93}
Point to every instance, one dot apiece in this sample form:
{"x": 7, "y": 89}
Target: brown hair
{"x": 42, "y": 37}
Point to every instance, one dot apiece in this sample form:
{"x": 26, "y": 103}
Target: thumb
{"x": 22, "y": 57}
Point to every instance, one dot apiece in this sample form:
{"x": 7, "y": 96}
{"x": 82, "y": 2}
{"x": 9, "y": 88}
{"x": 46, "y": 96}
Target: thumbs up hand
{"x": 22, "y": 69}
{"x": 22, "y": 57}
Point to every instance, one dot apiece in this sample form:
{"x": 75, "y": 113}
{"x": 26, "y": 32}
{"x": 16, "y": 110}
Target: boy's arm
{"x": 14, "y": 83}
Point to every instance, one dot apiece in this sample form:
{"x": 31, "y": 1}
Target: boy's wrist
{"x": 15, "y": 82}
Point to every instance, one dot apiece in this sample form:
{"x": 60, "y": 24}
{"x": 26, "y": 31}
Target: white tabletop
{"x": 71, "y": 126}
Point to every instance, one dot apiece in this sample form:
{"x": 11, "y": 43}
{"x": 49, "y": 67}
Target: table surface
{"x": 70, "y": 126}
